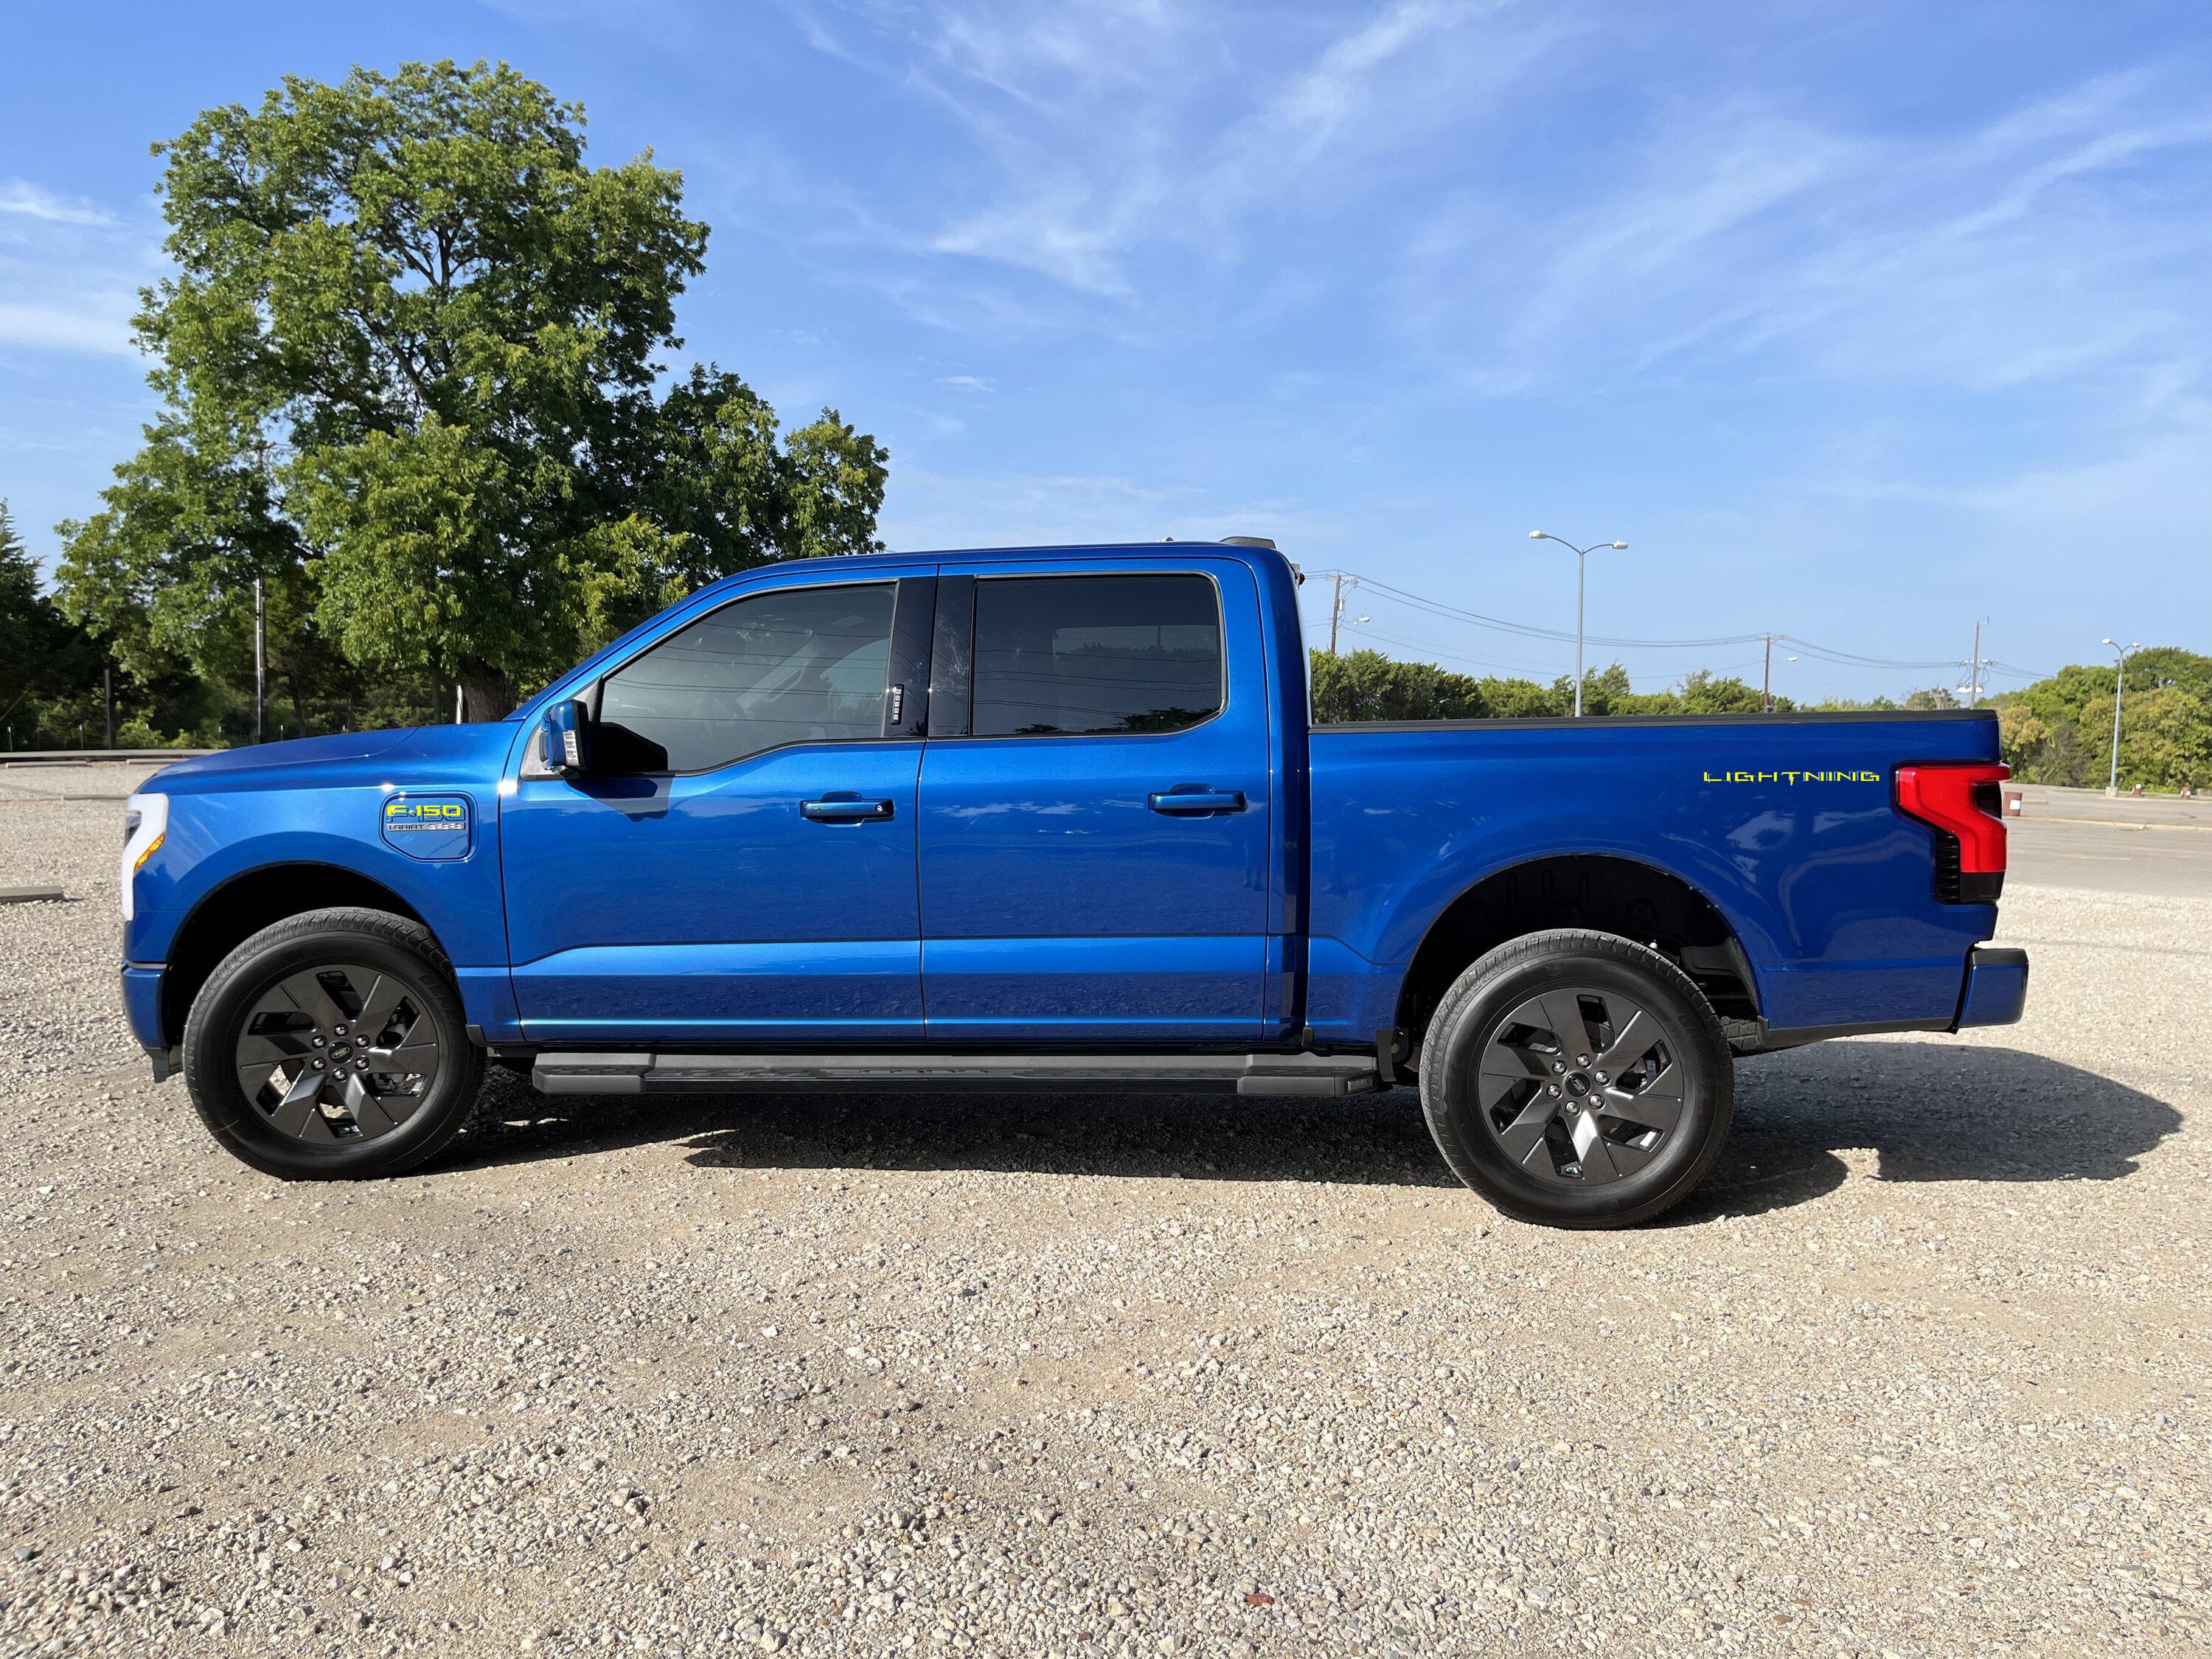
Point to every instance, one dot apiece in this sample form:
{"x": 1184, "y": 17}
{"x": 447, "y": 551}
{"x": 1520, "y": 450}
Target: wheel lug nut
{"x": 318, "y": 1042}
{"x": 1558, "y": 1065}
{"x": 1601, "y": 1077}
{"x": 318, "y": 1065}
{"x": 341, "y": 1030}
{"x": 1580, "y": 1060}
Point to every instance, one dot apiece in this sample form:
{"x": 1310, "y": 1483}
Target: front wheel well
{"x": 1616, "y": 895}
{"x": 246, "y": 904}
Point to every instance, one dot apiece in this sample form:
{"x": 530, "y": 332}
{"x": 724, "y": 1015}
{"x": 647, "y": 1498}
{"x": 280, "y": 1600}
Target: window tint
{"x": 800, "y": 664}
{"x": 1072, "y": 655}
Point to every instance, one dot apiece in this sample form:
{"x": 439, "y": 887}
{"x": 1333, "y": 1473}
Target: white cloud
{"x": 1125, "y": 151}
{"x": 96, "y": 324}
{"x": 30, "y": 201}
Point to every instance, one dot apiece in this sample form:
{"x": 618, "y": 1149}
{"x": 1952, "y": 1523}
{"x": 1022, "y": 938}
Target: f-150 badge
{"x": 429, "y": 826}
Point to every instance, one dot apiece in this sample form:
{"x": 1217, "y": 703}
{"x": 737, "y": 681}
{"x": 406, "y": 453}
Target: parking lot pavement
{"x": 2155, "y": 861}
{"x": 1921, "y": 1371}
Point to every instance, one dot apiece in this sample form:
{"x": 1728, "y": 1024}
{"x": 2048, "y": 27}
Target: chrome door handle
{"x": 845, "y": 808}
{"x": 1176, "y": 801}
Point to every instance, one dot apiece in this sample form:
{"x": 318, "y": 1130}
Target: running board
{"x": 666, "y": 1073}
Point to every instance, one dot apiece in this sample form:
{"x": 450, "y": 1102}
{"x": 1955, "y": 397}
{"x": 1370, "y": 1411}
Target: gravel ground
{"x": 1921, "y": 1371}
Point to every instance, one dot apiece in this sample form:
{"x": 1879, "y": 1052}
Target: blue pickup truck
{"x": 1053, "y": 818}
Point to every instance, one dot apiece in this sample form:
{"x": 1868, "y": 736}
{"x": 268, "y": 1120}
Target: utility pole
{"x": 1582, "y": 561}
{"x": 260, "y": 663}
{"x": 1974, "y": 671}
{"x": 1336, "y": 606}
{"x": 107, "y": 687}
{"x": 1766, "y": 678}
{"x": 2119, "y": 693}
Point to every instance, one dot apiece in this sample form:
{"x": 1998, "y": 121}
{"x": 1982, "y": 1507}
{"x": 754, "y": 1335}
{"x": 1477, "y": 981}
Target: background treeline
{"x": 2056, "y": 731}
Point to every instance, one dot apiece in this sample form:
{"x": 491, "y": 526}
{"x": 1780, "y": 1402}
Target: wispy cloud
{"x": 70, "y": 270}
{"x": 29, "y": 201}
{"x": 98, "y": 323}
{"x": 2024, "y": 249}
{"x": 1126, "y": 155}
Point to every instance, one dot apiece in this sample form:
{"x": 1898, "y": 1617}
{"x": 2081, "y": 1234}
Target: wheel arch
{"x": 1603, "y": 892}
{"x": 240, "y": 906}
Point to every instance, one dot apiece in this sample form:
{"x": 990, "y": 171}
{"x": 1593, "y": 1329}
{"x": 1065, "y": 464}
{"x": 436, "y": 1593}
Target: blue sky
{"x": 1859, "y": 321}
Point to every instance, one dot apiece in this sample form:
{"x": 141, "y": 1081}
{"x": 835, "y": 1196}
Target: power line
{"x": 1530, "y": 631}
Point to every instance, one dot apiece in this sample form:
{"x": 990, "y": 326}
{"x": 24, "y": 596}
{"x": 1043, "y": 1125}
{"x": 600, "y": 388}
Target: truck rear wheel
{"x": 1578, "y": 1079}
{"x": 331, "y": 1045}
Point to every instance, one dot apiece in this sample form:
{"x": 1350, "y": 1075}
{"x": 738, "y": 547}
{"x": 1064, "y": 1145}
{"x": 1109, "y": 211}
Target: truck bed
{"x": 1786, "y": 824}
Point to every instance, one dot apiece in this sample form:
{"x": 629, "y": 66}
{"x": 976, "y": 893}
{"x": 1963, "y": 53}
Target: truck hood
{"x": 226, "y": 763}
{"x": 449, "y": 753}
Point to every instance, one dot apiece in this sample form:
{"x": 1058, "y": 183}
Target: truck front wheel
{"x": 331, "y": 1045}
{"x": 1578, "y": 1079}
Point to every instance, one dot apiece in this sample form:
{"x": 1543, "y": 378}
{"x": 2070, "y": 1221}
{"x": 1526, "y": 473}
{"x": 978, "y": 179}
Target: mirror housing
{"x": 565, "y": 732}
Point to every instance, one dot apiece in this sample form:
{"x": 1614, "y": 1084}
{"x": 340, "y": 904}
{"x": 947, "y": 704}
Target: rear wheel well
{"x": 1605, "y": 894}
{"x": 246, "y": 904}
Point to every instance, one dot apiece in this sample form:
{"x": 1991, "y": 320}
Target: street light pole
{"x": 1582, "y": 561}
{"x": 2119, "y": 694}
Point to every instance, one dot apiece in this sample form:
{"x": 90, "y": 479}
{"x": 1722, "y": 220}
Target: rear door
{"x": 1096, "y": 804}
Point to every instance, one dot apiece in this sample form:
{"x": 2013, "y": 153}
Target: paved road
{"x": 2102, "y": 857}
{"x": 2045, "y": 800}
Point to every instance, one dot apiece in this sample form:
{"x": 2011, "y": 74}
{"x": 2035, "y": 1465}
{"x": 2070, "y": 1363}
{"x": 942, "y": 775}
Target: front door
{"x": 1096, "y": 806}
{"x": 739, "y": 865}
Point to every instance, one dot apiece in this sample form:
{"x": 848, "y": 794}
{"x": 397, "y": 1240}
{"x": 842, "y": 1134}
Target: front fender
{"x": 215, "y": 839}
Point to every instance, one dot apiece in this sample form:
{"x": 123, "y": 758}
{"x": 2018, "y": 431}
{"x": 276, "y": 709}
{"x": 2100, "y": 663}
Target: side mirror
{"x": 565, "y": 732}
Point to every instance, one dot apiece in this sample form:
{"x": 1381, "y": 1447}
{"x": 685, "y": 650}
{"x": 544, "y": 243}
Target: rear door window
{"x": 1090, "y": 656}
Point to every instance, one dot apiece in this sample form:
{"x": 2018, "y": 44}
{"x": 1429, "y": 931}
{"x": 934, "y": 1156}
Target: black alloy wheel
{"x": 332, "y": 1046}
{"x": 1578, "y": 1079}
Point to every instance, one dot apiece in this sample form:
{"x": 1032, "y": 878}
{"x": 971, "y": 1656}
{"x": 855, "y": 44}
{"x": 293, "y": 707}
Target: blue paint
{"x": 1047, "y": 889}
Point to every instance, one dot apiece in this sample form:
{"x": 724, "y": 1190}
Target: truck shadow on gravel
{"x": 1929, "y": 1111}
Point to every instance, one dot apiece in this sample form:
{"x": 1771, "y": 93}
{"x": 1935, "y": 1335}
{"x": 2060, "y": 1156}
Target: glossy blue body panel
{"x": 710, "y": 909}
{"x": 1997, "y": 990}
{"x": 1058, "y": 904}
{"x": 1025, "y": 891}
{"x": 1828, "y": 888}
{"x": 318, "y": 802}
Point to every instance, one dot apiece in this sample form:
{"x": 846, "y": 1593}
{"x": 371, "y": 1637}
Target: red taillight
{"x": 1959, "y": 799}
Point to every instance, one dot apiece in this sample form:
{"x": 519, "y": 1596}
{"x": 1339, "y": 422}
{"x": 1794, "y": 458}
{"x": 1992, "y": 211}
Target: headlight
{"x": 145, "y": 821}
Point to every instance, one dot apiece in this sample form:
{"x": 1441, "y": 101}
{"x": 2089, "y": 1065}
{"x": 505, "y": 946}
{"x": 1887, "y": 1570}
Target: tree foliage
{"x": 1366, "y": 686}
{"x": 407, "y": 361}
{"x": 2059, "y": 730}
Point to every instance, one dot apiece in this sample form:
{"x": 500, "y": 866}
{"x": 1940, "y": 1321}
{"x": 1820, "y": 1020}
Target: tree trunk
{"x": 487, "y": 694}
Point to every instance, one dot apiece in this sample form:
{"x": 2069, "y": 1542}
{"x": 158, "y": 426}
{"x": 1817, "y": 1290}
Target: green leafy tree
{"x": 49, "y": 669}
{"x": 408, "y": 369}
{"x": 2166, "y": 738}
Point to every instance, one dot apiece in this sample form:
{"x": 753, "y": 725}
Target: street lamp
{"x": 1581, "y": 560}
{"x": 2119, "y": 692}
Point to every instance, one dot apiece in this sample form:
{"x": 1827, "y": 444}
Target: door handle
{"x": 846, "y": 809}
{"x": 1175, "y": 801}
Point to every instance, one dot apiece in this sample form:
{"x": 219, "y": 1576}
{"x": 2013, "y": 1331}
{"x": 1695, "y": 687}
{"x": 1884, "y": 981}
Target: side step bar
{"x": 667, "y": 1073}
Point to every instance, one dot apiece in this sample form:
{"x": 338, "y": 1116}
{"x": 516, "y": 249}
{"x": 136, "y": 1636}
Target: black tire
{"x": 1492, "y": 1069}
{"x": 333, "y": 1134}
